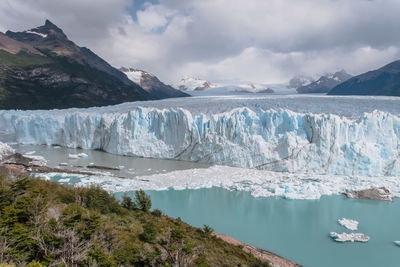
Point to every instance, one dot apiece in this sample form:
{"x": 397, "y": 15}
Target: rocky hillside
{"x": 384, "y": 81}
{"x": 325, "y": 83}
{"x": 151, "y": 83}
{"x": 42, "y": 69}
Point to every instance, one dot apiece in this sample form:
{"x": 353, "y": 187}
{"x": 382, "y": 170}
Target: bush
{"x": 157, "y": 213}
{"x": 207, "y": 229}
{"x": 149, "y": 233}
{"x": 127, "y": 203}
{"x": 142, "y": 201}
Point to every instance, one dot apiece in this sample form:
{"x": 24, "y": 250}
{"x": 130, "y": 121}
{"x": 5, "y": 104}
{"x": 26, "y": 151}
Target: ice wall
{"x": 277, "y": 140}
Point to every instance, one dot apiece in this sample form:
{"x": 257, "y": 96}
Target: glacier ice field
{"x": 291, "y": 146}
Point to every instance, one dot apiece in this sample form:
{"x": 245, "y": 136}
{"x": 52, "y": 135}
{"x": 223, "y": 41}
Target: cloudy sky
{"x": 266, "y": 41}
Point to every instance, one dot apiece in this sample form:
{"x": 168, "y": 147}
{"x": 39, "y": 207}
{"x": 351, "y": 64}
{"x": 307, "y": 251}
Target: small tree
{"x": 127, "y": 203}
{"x": 207, "y": 229}
{"x": 142, "y": 201}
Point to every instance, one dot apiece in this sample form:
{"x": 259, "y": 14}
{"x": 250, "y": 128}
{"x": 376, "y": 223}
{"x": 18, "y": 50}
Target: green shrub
{"x": 157, "y": 213}
{"x": 142, "y": 201}
{"x": 149, "y": 233}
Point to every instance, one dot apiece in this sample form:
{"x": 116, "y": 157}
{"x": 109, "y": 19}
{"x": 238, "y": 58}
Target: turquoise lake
{"x": 295, "y": 229}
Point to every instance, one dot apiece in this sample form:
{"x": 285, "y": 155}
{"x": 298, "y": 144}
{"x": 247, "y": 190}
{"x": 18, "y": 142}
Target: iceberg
{"x": 77, "y": 156}
{"x": 397, "y": 243}
{"x": 353, "y": 237}
{"x": 255, "y": 136}
{"x": 349, "y": 224}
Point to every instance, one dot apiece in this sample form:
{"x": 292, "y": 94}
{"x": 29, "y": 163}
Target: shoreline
{"x": 264, "y": 255}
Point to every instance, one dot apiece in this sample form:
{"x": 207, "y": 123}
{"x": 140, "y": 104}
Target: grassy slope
{"x": 22, "y": 59}
{"x": 47, "y": 223}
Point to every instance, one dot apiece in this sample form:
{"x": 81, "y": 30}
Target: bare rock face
{"x": 374, "y": 193}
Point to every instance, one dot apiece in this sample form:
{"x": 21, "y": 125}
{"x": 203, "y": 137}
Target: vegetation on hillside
{"x": 47, "y": 224}
{"x": 22, "y": 59}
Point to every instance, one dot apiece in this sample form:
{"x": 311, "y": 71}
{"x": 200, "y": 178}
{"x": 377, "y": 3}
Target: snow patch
{"x": 37, "y": 33}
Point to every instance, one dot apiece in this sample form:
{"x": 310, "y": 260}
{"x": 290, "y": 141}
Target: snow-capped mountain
{"x": 151, "y": 83}
{"x": 193, "y": 84}
{"x": 325, "y": 83}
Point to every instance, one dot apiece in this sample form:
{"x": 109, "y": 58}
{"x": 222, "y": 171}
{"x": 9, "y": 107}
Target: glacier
{"x": 251, "y": 136}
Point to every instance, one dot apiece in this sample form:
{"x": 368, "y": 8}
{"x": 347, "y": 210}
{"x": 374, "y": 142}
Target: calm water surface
{"x": 295, "y": 229}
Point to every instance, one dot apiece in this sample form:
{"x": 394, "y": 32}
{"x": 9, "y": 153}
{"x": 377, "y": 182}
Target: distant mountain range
{"x": 42, "y": 69}
{"x": 325, "y": 83}
{"x": 193, "y": 84}
{"x": 151, "y": 83}
{"x": 384, "y": 81}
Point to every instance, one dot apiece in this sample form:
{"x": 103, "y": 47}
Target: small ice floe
{"x": 349, "y": 224}
{"x": 63, "y": 164}
{"x": 64, "y": 180}
{"x": 30, "y": 153}
{"x": 121, "y": 167}
{"x": 149, "y": 169}
{"x": 352, "y": 237}
{"x": 77, "y": 156}
{"x": 397, "y": 243}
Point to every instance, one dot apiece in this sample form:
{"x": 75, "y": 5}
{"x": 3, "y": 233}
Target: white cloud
{"x": 258, "y": 40}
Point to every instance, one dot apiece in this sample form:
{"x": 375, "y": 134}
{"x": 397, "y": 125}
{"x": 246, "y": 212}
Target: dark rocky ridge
{"x": 384, "y": 81}
{"x": 42, "y": 69}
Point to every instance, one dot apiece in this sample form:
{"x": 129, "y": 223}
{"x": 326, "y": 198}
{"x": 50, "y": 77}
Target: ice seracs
{"x": 352, "y": 237}
{"x": 349, "y": 224}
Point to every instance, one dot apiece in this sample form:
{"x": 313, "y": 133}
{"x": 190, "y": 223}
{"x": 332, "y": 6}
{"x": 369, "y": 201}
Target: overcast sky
{"x": 266, "y": 41}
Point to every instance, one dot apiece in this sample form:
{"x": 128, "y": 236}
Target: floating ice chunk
{"x": 149, "y": 169}
{"x": 64, "y": 180}
{"x": 353, "y": 237}
{"x": 30, "y": 153}
{"x": 397, "y": 243}
{"x": 349, "y": 224}
{"x": 121, "y": 167}
{"x": 63, "y": 164}
{"x": 77, "y": 156}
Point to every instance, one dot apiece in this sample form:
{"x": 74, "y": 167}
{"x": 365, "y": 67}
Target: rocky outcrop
{"x": 374, "y": 193}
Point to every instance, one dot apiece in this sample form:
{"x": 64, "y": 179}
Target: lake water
{"x": 295, "y": 229}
